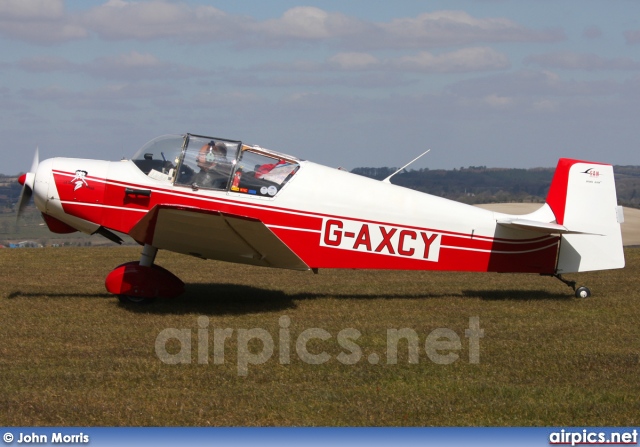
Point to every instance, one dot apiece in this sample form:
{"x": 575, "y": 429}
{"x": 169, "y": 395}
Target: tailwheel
{"x": 580, "y": 292}
{"x": 583, "y": 292}
{"x": 135, "y": 300}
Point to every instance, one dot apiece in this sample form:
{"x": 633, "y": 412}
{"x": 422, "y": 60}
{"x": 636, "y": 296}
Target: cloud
{"x": 354, "y": 61}
{"x": 446, "y": 28}
{"x": 138, "y": 66}
{"x": 311, "y": 23}
{"x": 38, "y": 21}
{"x": 50, "y": 93}
{"x": 545, "y": 105}
{"x": 46, "y": 21}
{"x": 582, "y": 61}
{"x": 129, "y": 90}
{"x": 631, "y": 88}
{"x": 157, "y": 19}
{"x": 116, "y": 96}
{"x": 45, "y": 64}
{"x": 129, "y": 66}
{"x": 160, "y": 19}
{"x": 31, "y": 9}
{"x": 427, "y": 30}
{"x": 465, "y": 60}
{"x": 592, "y": 32}
{"x": 499, "y": 102}
{"x": 632, "y": 37}
{"x": 460, "y": 61}
{"x": 531, "y": 83}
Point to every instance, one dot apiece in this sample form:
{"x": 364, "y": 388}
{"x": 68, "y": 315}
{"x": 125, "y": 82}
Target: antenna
{"x": 387, "y": 179}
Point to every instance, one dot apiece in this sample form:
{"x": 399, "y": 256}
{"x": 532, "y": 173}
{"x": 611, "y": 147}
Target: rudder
{"x": 583, "y": 199}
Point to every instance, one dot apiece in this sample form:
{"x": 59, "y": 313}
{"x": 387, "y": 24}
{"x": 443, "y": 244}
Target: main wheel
{"x": 583, "y": 292}
{"x": 135, "y": 300}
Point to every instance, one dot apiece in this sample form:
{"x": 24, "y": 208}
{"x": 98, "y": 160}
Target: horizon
{"x": 409, "y": 169}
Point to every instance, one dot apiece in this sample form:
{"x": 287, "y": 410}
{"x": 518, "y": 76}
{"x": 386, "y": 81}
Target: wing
{"x": 215, "y": 235}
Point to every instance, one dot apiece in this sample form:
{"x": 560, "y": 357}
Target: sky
{"x": 497, "y": 83}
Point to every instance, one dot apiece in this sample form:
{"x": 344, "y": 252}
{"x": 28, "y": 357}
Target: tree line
{"x": 473, "y": 185}
{"x": 479, "y": 184}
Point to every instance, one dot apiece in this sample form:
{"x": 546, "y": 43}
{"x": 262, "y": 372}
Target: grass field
{"x": 72, "y": 355}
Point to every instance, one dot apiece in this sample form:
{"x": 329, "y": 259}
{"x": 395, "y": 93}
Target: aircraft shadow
{"x": 516, "y": 295}
{"x": 236, "y": 299}
{"x": 20, "y": 294}
{"x": 219, "y": 299}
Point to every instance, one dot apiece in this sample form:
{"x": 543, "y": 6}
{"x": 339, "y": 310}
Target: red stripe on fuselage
{"x": 302, "y": 230}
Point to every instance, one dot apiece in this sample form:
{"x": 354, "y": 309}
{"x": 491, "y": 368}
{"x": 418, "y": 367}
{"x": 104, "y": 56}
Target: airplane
{"x": 216, "y": 198}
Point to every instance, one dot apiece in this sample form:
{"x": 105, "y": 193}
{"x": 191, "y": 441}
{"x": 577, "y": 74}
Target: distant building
{"x": 26, "y": 244}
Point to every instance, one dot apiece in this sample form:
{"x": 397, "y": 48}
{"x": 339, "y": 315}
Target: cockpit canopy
{"x": 198, "y": 161}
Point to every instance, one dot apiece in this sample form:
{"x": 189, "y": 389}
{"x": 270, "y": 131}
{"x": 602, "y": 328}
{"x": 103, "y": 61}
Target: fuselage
{"x": 330, "y": 218}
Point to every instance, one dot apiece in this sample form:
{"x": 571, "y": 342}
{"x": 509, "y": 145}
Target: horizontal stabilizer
{"x": 541, "y": 227}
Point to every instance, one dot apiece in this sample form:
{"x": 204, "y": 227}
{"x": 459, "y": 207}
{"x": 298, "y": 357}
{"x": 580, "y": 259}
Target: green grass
{"x": 70, "y": 354}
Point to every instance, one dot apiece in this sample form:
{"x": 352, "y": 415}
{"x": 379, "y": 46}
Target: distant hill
{"x": 9, "y": 192}
{"x": 473, "y": 185}
{"x": 479, "y": 184}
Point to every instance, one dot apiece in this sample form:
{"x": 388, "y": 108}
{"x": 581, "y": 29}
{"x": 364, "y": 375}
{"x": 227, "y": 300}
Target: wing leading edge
{"x": 215, "y": 235}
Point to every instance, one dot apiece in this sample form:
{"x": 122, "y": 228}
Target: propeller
{"x": 27, "y": 181}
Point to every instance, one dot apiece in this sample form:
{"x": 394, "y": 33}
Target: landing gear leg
{"x": 148, "y": 255}
{"x": 580, "y": 292}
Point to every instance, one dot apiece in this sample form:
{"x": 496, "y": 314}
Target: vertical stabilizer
{"x": 583, "y": 199}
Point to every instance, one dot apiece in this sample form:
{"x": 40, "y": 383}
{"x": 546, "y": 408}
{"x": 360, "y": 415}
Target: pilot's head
{"x": 211, "y": 154}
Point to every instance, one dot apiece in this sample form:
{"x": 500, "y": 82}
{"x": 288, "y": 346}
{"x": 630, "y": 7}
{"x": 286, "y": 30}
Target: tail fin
{"x": 583, "y": 199}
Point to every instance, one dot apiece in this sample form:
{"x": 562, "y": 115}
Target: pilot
{"x": 215, "y": 169}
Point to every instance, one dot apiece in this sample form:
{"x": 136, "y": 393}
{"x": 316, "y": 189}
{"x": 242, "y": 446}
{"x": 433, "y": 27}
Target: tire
{"x": 129, "y": 300}
{"x": 583, "y": 292}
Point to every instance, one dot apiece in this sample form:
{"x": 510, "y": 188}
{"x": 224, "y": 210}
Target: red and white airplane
{"x": 221, "y": 199}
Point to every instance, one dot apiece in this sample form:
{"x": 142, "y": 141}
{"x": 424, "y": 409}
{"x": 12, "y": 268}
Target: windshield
{"x": 207, "y": 162}
{"x": 215, "y": 163}
{"x": 262, "y": 172}
{"x": 160, "y": 156}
